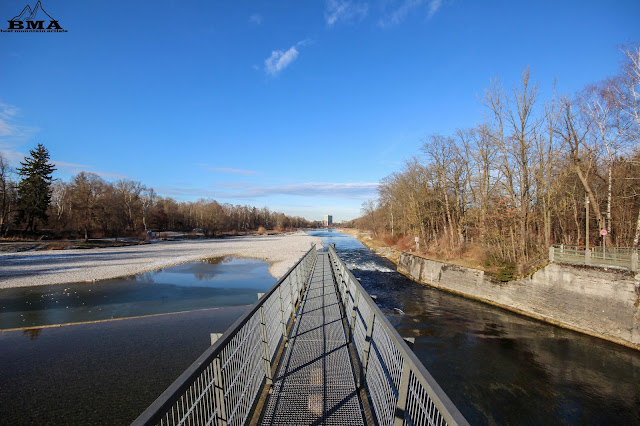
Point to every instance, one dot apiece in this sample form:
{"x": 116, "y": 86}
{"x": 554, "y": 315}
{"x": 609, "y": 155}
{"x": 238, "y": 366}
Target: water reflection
{"x": 33, "y": 333}
{"x": 499, "y": 367}
{"x": 216, "y": 282}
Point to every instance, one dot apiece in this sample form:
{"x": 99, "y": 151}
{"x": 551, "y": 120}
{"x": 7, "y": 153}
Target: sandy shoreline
{"x": 70, "y": 266}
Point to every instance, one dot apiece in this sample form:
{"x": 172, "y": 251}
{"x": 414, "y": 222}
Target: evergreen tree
{"x": 34, "y": 189}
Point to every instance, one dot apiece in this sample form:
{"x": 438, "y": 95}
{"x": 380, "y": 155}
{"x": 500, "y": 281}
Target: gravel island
{"x": 71, "y": 266}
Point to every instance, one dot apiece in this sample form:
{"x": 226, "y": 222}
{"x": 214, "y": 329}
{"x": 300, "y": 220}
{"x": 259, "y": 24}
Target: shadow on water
{"x": 216, "y": 282}
{"x": 496, "y": 366}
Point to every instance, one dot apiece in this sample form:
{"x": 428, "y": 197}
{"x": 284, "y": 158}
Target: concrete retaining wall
{"x": 602, "y": 303}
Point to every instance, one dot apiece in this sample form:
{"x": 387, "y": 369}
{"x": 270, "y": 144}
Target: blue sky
{"x": 300, "y": 106}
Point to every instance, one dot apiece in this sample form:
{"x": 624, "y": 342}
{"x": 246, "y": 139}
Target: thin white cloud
{"x": 7, "y": 115}
{"x": 434, "y": 6}
{"x": 74, "y": 168}
{"x": 9, "y": 128}
{"x": 256, "y": 19}
{"x": 397, "y": 15}
{"x": 234, "y": 171}
{"x": 240, "y": 190}
{"x": 344, "y": 10}
{"x": 279, "y": 60}
{"x": 11, "y": 155}
{"x": 227, "y": 170}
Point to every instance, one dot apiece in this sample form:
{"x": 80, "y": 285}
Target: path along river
{"x": 496, "y": 366}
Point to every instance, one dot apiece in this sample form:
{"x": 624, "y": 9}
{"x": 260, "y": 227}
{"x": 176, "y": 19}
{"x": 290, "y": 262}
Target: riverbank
{"x": 71, "y": 266}
{"x": 594, "y": 301}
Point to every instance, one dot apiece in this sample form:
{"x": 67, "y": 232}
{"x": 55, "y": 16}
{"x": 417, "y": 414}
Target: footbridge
{"x": 314, "y": 350}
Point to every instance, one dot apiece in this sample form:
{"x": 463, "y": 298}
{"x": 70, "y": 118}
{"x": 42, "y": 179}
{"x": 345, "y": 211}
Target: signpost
{"x": 603, "y": 232}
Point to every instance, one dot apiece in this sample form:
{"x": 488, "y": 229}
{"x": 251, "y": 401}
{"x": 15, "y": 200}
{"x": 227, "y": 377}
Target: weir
{"x": 314, "y": 350}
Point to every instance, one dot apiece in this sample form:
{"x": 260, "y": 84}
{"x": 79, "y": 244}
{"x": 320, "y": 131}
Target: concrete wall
{"x": 602, "y": 303}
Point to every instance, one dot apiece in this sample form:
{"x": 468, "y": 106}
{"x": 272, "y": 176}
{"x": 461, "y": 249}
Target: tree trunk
{"x": 636, "y": 239}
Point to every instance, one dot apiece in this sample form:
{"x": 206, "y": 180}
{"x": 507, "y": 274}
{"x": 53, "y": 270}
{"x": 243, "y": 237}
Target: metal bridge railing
{"x": 612, "y": 257}
{"x": 401, "y": 390}
{"x": 222, "y": 385}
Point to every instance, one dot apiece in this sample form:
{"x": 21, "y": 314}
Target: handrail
{"x": 221, "y": 386}
{"x": 402, "y": 391}
{"x": 609, "y": 257}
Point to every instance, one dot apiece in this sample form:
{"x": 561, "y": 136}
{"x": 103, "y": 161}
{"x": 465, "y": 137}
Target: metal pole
{"x": 403, "y": 392}
{"x": 586, "y": 238}
{"x": 265, "y": 348}
{"x": 219, "y": 390}
{"x": 367, "y": 348}
{"x": 283, "y": 323}
{"x": 354, "y": 310}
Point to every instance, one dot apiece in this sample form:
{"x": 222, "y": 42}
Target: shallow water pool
{"x": 211, "y": 283}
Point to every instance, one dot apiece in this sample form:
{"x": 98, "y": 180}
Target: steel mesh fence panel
{"x": 242, "y": 370}
{"x": 197, "y": 405}
{"x": 421, "y": 410}
{"x": 272, "y": 323}
{"x": 383, "y": 375}
{"x": 285, "y": 293}
{"x": 360, "y": 328}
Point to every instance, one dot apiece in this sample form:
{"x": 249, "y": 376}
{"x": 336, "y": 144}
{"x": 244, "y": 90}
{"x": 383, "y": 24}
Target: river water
{"x": 496, "y": 366}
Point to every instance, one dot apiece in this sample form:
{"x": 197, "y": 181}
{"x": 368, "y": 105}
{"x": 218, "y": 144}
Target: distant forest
{"x": 524, "y": 178}
{"x": 33, "y": 204}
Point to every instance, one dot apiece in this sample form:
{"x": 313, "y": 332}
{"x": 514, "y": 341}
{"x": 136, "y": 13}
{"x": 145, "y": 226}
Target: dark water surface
{"x": 108, "y": 372}
{"x": 216, "y": 282}
{"x": 496, "y": 366}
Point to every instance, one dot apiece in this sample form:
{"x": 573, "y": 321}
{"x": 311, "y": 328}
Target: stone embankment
{"x": 595, "y": 301}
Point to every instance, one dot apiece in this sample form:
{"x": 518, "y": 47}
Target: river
{"x": 496, "y": 366}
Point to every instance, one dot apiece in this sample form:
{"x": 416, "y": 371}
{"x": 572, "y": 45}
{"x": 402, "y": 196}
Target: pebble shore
{"x": 71, "y": 266}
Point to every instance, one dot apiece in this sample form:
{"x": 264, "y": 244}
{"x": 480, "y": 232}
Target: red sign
{"x": 603, "y": 232}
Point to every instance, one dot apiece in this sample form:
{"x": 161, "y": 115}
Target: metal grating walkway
{"x": 315, "y": 383}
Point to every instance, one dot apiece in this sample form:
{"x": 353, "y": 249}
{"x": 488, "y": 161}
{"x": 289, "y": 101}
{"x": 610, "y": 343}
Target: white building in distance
{"x": 328, "y": 220}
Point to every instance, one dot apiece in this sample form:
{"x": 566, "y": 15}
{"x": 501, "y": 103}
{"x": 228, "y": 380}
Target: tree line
{"x": 526, "y": 176}
{"x": 89, "y": 206}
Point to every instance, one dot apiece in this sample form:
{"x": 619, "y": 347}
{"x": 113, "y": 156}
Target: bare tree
{"x": 8, "y": 195}
{"x": 629, "y": 98}
{"x": 87, "y": 189}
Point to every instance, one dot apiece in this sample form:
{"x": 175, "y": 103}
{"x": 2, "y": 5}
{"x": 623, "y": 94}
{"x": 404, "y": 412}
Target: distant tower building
{"x": 328, "y": 220}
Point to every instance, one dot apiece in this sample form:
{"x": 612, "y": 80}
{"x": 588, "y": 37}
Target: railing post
{"x": 265, "y": 348}
{"x": 551, "y": 253}
{"x": 219, "y": 392}
{"x": 291, "y": 296}
{"x": 403, "y": 392}
{"x": 299, "y": 278}
{"x": 353, "y": 314}
{"x": 282, "y": 321}
{"x": 367, "y": 347}
{"x": 587, "y": 257}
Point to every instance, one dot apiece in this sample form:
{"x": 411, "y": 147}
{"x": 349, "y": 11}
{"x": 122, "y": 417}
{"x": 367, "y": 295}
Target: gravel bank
{"x": 70, "y": 266}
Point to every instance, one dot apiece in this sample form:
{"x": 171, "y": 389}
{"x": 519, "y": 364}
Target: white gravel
{"x": 71, "y": 266}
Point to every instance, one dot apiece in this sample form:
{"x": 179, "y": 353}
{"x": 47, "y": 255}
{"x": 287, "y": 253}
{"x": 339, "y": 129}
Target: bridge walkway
{"x": 315, "y": 382}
